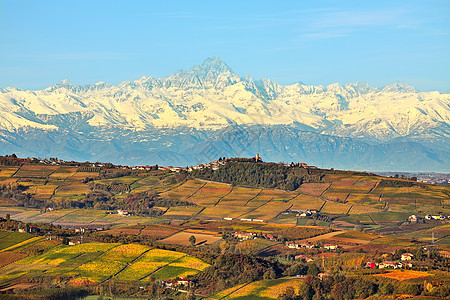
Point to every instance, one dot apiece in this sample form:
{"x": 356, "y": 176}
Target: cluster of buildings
{"x": 434, "y": 178}
{"x": 429, "y": 217}
{"x": 303, "y": 213}
{"x": 293, "y": 245}
{"x": 300, "y": 245}
{"x": 217, "y": 163}
{"x": 243, "y": 236}
{"x": 406, "y": 261}
{"x": 176, "y": 282}
{"x": 301, "y": 165}
{"x": 213, "y": 165}
{"x": 83, "y": 230}
{"x": 435, "y": 217}
{"x": 243, "y": 219}
{"x": 29, "y": 229}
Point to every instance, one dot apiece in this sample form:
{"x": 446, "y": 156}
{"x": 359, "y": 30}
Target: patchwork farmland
{"x": 136, "y": 229}
{"x": 339, "y": 195}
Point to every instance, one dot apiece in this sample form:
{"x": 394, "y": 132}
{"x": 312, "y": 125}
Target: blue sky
{"x": 316, "y": 42}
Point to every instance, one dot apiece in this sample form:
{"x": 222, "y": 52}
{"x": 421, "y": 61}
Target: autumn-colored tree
{"x": 192, "y": 240}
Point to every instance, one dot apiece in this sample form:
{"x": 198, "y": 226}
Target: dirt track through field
{"x": 322, "y": 237}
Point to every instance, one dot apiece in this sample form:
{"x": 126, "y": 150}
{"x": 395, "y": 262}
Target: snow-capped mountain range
{"x": 178, "y": 113}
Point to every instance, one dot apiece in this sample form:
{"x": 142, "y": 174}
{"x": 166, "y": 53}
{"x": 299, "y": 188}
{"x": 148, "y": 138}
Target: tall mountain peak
{"x": 399, "y": 87}
{"x": 211, "y": 67}
{"x": 213, "y": 70}
{"x": 62, "y": 84}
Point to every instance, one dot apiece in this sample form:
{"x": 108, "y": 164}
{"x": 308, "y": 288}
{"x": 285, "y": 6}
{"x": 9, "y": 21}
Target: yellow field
{"x": 82, "y": 216}
{"x": 21, "y": 244}
{"x": 263, "y": 197}
{"x": 45, "y": 191}
{"x": 267, "y": 211}
{"x": 63, "y": 172}
{"x": 275, "y": 290}
{"x": 74, "y": 189}
{"x": 226, "y": 292}
{"x": 153, "y": 182}
{"x": 13, "y": 210}
{"x": 334, "y": 196}
{"x": 183, "y": 210}
{"x": 83, "y": 175}
{"x": 280, "y": 195}
{"x": 210, "y": 193}
{"x": 49, "y": 216}
{"x": 111, "y": 262}
{"x": 267, "y": 195}
{"x": 349, "y": 181}
{"x": 367, "y": 181}
{"x": 27, "y": 214}
{"x": 265, "y": 289}
{"x": 418, "y": 193}
{"x": 126, "y": 180}
{"x": 404, "y": 274}
{"x": 161, "y": 255}
{"x": 246, "y": 290}
{"x": 8, "y": 180}
{"x": 137, "y": 271}
{"x": 35, "y": 171}
{"x": 335, "y": 208}
{"x": 125, "y": 252}
{"x": 363, "y": 209}
{"x": 225, "y": 211}
{"x": 184, "y": 191}
{"x": 89, "y": 247}
{"x": 7, "y": 171}
{"x": 315, "y": 189}
{"x": 334, "y": 177}
{"x": 190, "y": 262}
{"x": 240, "y": 196}
{"x": 306, "y": 202}
{"x": 182, "y": 238}
{"x": 366, "y": 199}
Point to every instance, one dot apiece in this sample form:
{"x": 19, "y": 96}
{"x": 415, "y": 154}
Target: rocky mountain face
{"x": 175, "y": 120}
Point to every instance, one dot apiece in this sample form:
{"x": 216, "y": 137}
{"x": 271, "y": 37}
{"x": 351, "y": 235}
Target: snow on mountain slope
{"x": 211, "y": 96}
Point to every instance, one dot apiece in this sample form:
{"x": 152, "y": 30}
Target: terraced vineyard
{"x": 93, "y": 262}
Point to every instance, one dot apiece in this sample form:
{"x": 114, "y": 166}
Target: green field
{"x": 8, "y": 239}
{"x": 390, "y": 216}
